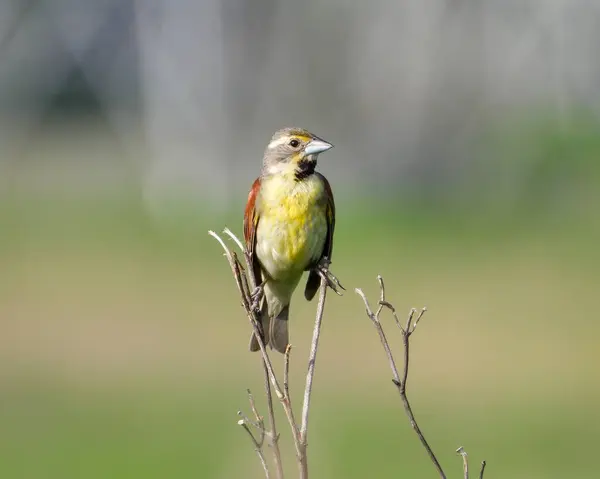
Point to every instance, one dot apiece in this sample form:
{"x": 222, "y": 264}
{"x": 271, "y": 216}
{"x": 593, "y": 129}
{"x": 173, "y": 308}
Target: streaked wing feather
{"x": 251, "y": 218}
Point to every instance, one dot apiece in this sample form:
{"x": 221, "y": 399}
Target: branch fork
{"x": 250, "y": 293}
{"x": 400, "y": 381}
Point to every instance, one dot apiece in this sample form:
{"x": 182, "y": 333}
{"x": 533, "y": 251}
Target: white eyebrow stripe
{"x": 278, "y": 142}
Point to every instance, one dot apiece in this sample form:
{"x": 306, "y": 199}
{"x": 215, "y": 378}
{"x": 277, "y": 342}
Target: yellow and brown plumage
{"x": 288, "y": 227}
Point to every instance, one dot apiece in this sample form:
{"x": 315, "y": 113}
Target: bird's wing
{"x": 250, "y": 225}
{"x": 314, "y": 280}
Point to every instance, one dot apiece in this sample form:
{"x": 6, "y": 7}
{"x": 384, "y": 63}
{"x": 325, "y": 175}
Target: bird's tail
{"x": 279, "y": 330}
{"x": 274, "y": 331}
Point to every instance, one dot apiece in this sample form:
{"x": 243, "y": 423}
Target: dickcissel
{"x": 288, "y": 228}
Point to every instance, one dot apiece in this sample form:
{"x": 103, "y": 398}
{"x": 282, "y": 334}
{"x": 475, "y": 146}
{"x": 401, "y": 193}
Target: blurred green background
{"x": 466, "y": 173}
{"x": 124, "y": 349}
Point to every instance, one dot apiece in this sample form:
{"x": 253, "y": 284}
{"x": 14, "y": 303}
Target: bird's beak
{"x": 317, "y": 146}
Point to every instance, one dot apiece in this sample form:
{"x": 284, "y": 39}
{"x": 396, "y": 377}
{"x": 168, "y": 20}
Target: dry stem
{"x": 257, "y": 447}
{"x": 483, "y": 464}
{"x": 286, "y": 371}
{"x": 312, "y": 358}
{"x": 242, "y": 281}
{"x": 311, "y": 361}
{"x": 274, "y": 436}
{"x": 246, "y": 283}
{"x": 400, "y": 383}
{"x": 461, "y": 451}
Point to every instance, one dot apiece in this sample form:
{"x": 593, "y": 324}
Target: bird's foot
{"x": 332, "y": 281}
{"x": 256, "y": 296}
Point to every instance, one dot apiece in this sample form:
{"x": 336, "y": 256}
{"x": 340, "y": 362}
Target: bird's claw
{"x": 256, "y": 297}
{"x": 332, "y": 281}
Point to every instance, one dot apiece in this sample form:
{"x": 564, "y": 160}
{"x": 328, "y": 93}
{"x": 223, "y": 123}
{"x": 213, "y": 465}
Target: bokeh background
{"x": 466, "y": 172}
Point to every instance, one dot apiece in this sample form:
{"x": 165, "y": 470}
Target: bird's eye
{"x": 294, "y": 143}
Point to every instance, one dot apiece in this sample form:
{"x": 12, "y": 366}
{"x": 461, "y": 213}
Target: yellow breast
{"x": 293, "y": 226}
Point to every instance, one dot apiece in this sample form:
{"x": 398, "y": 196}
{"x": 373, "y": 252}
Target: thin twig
{"x": 256, "y": 425}
{"x": 247, "y": 286}
{"x": 247, "y": 304}
{"x": 274, "y": 435}
{"x": 461, "y": 451}
{"x": 421, "y": 313}
{"x": 248, "y": 278}
{"x": 312, "y": 358}
{"x": 286, "y": 372}
{"x": 399, "y": 383}
{"x": 229, "y": 233}
{"x": 375, "y": 319}
{"x": 237, "y": 273}
{"x": 269, "y": 374}
{"x": 483, "y": 464}
{"x": 259, "y": 419}
{"x": 251, "y": 283}
{"x": 270, "y": 378}
{"x": 257, "y": 447}
{"x": 408, "y": 409}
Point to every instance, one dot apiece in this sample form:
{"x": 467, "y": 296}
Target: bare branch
{"x": 247, "y": 420}
{"x": 228, "y": 232}
{"x": 257, "y": 447}
{"x": 270, "y": 375}
{"x": 273, "y": 435}
{"x": 247, "y": 286}
{"x": 394, "y": 314}
{"x": 260, "y": 424}
{"x": 286, "y": 372}
{"x": 465, "y": 459}
{"x": 409, "y": 322}
{"x": 382, "y": 290}
{"x": 399, "y": 383}
{"x": 246, "y": 281}
{"x": 250, "y": 279}
{"x": 483, "y": 464}
{"x": 386, "y": 346}
{"x": 256, "y": 425}
{"x": 285, "y": 402}
{"x": 237, "y": 273}
{"x": 270, "y": 378}
{"x": 312, "y": 359}
{"x": 421, "y": 313}
{"x": 218, "y": 238}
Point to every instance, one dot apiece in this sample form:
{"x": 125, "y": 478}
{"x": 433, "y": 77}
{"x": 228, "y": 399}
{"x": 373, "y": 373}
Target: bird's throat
{"x": 304, "y": 169}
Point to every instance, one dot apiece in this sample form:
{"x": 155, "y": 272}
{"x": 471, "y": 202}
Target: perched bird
{"x": 288, "y": 228}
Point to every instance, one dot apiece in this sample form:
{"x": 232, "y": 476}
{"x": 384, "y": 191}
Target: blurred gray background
{"x": 403, "y": 89}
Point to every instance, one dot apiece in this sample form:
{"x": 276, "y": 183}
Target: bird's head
{"x": 293, "y": 151}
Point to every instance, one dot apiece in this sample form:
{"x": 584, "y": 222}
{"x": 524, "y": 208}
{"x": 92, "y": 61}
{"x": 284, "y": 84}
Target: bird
{"x": 289, "y": 221}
